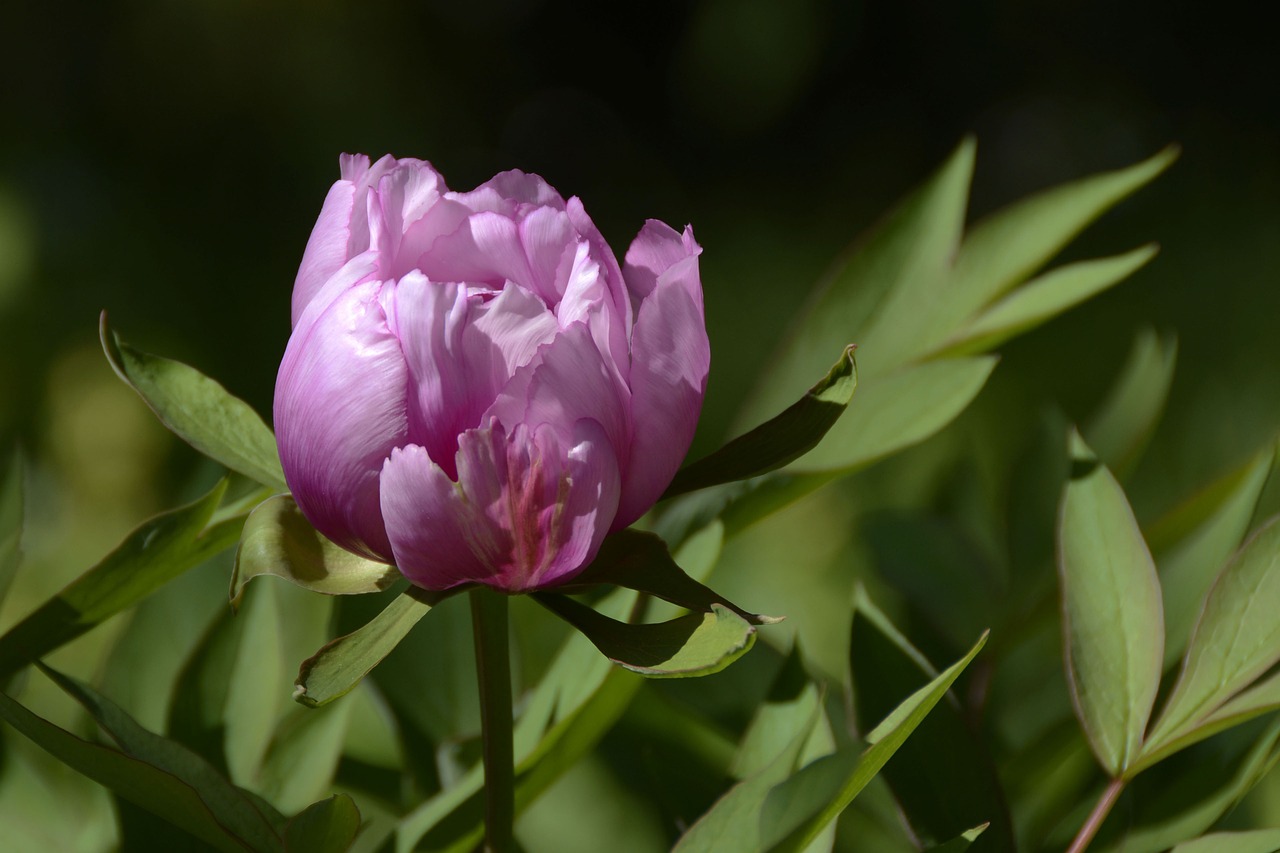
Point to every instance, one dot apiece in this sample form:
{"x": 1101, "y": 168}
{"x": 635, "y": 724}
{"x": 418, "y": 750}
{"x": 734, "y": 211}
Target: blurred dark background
{"x": 166, "y": 160}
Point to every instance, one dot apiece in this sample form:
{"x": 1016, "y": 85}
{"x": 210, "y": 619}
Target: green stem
{"x": 1097, "y": 816}
{"x": 493, "y": 668}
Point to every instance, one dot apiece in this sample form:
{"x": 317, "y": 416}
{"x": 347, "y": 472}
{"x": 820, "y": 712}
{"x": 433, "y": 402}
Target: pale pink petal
{"x": 326, "y": 250}
{"x": 547, "y": 236}
{"x": 655, "y": 249}
{"x": 339, "y": 410}
{"x": 670, "y": 360}
{"x": 587, "y": 300}
{"x": 526, "y": 512}
{"x": 506, "y": 192}
{"x": 517, "y": 323}
{"x": 486, "y": 249}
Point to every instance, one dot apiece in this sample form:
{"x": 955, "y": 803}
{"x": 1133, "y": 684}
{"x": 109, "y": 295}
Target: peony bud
{"x": 474, "y": 390}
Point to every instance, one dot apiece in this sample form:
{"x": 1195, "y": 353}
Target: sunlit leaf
{"x": 328, "y": 826}
{"x": 638, "y": 560}
{"x": 278, "y": 540}
{"x": 1236, "y": 639}
{"x": 1043, "y": 299}
{"x": 778, "y": 441}
{"x": 1112, "y": 624}
{"x": 961, "y": 842}
{"x": 11, "y": 512}
{"x": 1119, "y": 430}
{"x": 897, "y": 411}
{"x": 198, "y": 410}
{"x": 692, "y": 645}
{"x": 1011, "y": 244}
{"x": 158, "y": 774}
{"x": 1251, "y": 841}
{"x": 879, "y": 285}
{"x": 790, "y": 708}
{"x": 341, "y": 664}
{"x": 1204, "y": 532}
{"x": 153, "y": 554}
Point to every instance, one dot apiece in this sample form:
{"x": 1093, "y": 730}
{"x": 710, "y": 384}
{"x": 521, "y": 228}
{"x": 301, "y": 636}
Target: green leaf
{"x": 278, "y": 540}
{"x": 790, "y": 709}
{"x": 1043, "y": 299}
{"x": 1119, "y": 430}
{"x": 1007, "y": 247}
{"x": 11, "y": 506}
{"x": 198, "y": 410}
{"x": 1113, "y": 628}
{"x": 303, "y": 756}
{"x": 779, "y": 441}
{"x": 693, "y": 645}
{"x": 1200, "y": 535}
{"x": 329, "y": 826}
{"x": 160, "y": 775}
{"x": 879, "y": 287}
{"x": 961, "y": 842}
{"x": 1251, "y": 841}
{"x": 256, "y": 680}
{"x": 341, "y": 664}
{"x": 897, "y": 411}
{"x": 153, "y": 554}
{"x": 943, "y": 779}
{"x": 832, "y": 783}
{"x": 638, "y": 560}
{"x": 1236, "y": 639}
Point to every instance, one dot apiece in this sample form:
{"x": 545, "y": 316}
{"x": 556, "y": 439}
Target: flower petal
{"x": 655, "y": 249}
{"x": 326, "y": 250}
{"x": 670, "y": 357}
{"x": 486, "y": 249}
{"x": 339, "y": 410}
{"x": 526, "y": 513}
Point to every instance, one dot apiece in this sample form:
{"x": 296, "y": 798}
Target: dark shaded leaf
{"x": 328, "y": 826}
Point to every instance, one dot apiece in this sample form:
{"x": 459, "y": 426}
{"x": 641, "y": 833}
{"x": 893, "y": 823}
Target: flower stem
{"x": 1097, "y": 816}
{"x": 493, "y": 669}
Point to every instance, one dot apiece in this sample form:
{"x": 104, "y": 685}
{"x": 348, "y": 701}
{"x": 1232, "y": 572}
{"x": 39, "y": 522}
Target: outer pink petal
{"x": 526, "y": 512}
{"x": 656, "y": 249}
{"x": 670, "y": 357}
{"x": 486, "y": 249}
{"x": 339, "y": 410}
{"x": 326, "y": 250}
{"x": 505, "y": 192}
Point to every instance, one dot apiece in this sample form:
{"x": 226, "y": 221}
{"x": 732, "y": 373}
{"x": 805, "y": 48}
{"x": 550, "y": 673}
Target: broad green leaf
{"x": 943, "y": 779}
{"x": 278, "y": 540}
{"x": 961, "y": 842}
{"x": 885, "y": 284}
{"x": 256, "y": 684}
{"x": 832, "y": 783}
{"x": 198, "y": 410}
{"x": 1204, "y": 532}
{"x": 153, "y": 554}
{"x": 302, "y": 758}
{"x": 1249, "y": 841}
{"x": 1202, "y": 798}
{"x": 638, "y": 560}
{"x": 1119, "y": 430}
{"x": 158, "y": 774}
{"x": 341, "y": 664}
{"x": 329, "y": 826}
{"x": 11, "y": 505}
{"x": 1010, "y": 245}
{"x": 791, "y": 708}
{"x": 1237, "y": 637}
{"x": 1112, "y": 624}
{"x": 779, "y": 441}
{"x": 692, "y": 645}
{"x": 897, "y": 411}
{"x": 1043, "y": 299}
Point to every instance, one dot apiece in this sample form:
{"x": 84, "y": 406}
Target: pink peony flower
{"x": 474, "y": 390}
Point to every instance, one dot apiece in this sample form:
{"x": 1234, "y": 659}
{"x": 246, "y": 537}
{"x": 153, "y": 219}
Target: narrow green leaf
{"x": 639, "y": 560}
{"x": 1007, "y": 247}
{"x": 198, "y": 410}
{"x": 341, "y": 664}
{"x": 1043, "y": 299}
{"x": 791, "y": 708}
{"x": 877, "y": 285}
{"x": 238, "y": 816}
{"x": 329, "y": 826}
{"x": 693, "y": 645}
{"x": 153, "y": 554}
{"x": 897, "y": 411}
{"x": 1200, "y": 535}
{"x": 836, "y": 790}
{"x": 1119, "y": 430}
{"x": 779, "y": 441}
{"x": 1236, "y": 639}
{"x": 302, "y": 758}
{"x": 1250, "y": 841}
{"x": 278, "y": 540}
{"x": 1113, "y": 629}
{"x": 961, "y": 842}
{"x": 11, "y": 506}
{"x": 257, "y": 682}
